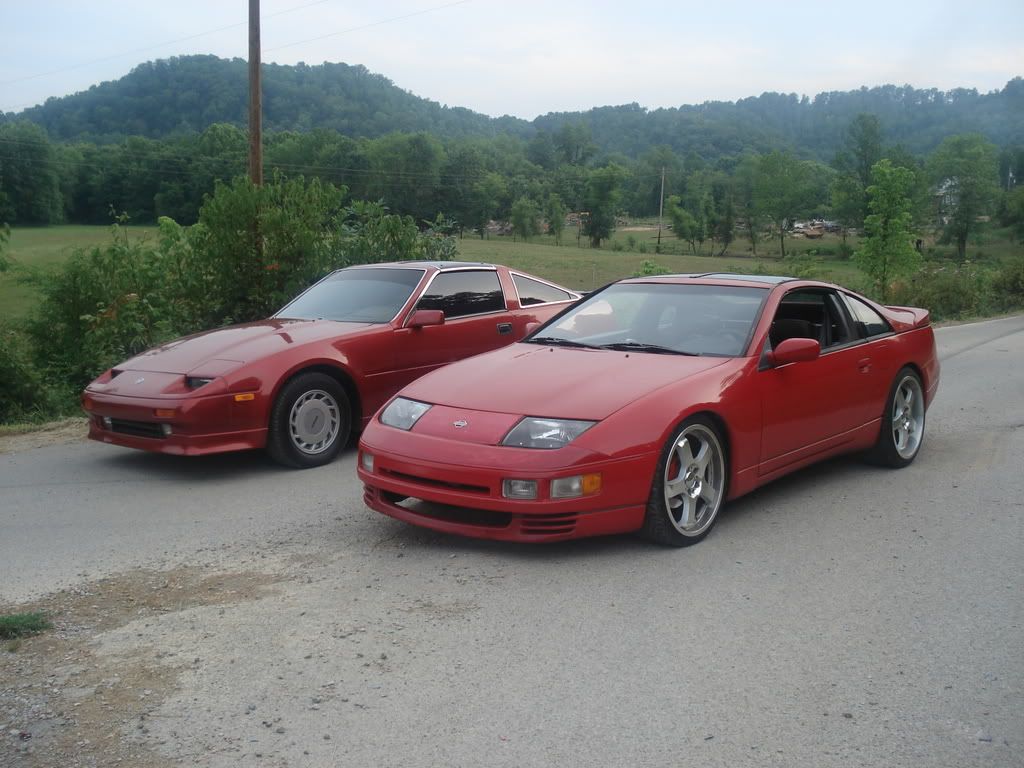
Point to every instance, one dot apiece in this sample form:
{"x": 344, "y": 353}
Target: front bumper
{"x": 458, "y": 489}
{"x": 199, "y": 425}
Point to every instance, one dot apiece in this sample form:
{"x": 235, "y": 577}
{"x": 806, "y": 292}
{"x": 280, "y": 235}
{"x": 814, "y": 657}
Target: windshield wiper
{"x": 639, "y": 346}
{"x": 554, "y": 341}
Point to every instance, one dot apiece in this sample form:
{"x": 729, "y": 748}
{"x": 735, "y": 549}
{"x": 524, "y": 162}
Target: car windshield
{"x": 660, "y": 318}
{"x": 355, "y": 295}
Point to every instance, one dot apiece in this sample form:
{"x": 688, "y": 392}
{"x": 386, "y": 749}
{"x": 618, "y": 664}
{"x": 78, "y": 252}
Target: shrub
{"x": 642, "y": 247}
{"x": 947, "y": 291}
{"x": 1008, "y": 285}
{"x": 20, "y": 380}
{"x": 648, "y": 268}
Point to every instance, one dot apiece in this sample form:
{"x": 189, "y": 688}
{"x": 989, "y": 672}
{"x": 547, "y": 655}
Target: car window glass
{"x": 805, "y": 314}
{"x": 688, "y": 319}
{"x": 867, "y": 321}
{"x": 536, "y": 292}
{"x": 364, "y": 295}
{"x": 466, "y": 292}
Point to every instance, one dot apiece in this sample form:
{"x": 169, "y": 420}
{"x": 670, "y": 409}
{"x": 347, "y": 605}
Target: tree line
{"x": 531, "y": 183}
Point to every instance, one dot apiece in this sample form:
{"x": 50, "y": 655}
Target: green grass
{"x": 42, "y": 248}
{"x": 15, "y": 625}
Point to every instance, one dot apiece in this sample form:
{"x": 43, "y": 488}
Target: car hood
{"x": 234, "y": 345}
{"x": 535, "y": 380}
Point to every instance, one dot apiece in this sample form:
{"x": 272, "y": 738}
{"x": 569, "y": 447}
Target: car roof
{"x": 422, "y": 263}
{"x": 716, "y": 278}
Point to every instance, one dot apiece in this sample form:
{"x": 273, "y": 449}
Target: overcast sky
{"x": 530, "y": 57}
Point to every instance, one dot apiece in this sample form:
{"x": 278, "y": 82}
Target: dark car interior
{"x": 810, "y": 315}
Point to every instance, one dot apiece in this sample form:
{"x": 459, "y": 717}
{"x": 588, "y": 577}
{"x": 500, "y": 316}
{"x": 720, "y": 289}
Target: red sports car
{"x": 298, "y": 382}
{"x": 649, "y": 404}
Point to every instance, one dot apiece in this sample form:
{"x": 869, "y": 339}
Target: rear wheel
{"x": 689, "y": 485}
{"x": 902, "y": 432}
{"x": 310, "y": 422}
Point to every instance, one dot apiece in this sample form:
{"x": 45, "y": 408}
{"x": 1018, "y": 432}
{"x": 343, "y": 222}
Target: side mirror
{"x": 532, "y": 326}
{"x": 422, "y": 317}
{"x": 795, "y": 351}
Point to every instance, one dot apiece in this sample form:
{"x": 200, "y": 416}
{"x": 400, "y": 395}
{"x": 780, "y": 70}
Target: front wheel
{"x": 902, "y": 432}
{"x": 689, "y": 485}
{"x": 310, "y": 422}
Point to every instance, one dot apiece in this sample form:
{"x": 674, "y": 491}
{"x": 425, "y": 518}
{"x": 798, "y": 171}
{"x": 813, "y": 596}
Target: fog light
{"x": 166, "y": 429}
{"x": 366, "y": 459}
{"x": 519, "y": 489}
{"x": 577, "y": 485}
{"x": 107, "y": 422}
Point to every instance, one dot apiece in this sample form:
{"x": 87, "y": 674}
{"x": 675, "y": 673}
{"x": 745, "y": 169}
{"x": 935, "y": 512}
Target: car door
{"x": 477, "y": 320}
{"x": 812, "y": 407}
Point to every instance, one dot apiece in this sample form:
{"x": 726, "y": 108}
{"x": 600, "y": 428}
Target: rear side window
{"x": 868, "y": 322}
{"x": 535, "y": 292}
{"x": 463, "y": 293}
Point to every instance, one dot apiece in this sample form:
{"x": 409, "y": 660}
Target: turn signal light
{"x": 245, "y": 397}
{"x": 577, "y": 485}
{"x": 164, "y": 413}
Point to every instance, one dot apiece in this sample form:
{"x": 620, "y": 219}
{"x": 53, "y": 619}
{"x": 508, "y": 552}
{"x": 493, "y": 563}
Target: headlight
{"x": 195, "y": 382}
{"x": 545, "y": 433}
{"x": 402, "y": 413}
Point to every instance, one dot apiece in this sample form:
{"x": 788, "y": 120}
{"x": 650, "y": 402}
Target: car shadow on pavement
{"x": 211, "y": 468}
{"x": 739, "y": 518}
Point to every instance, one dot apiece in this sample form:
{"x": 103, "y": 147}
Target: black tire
{"x": 903, "y": 422}
{"x": 666, "y": 520}
{"x": 310, "y": 421}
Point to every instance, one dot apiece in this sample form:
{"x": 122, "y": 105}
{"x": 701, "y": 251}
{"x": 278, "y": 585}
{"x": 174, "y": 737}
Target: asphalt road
{"x": 844, "y": 616}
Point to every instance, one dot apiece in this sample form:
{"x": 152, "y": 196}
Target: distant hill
{"x": 189, "y": 93}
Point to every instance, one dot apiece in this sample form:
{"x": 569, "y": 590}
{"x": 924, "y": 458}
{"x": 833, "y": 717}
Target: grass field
{"x": 574, "y": 265}
{"x": 43, "y": 247}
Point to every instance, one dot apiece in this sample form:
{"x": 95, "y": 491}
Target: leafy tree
{"x": 555, "y": 212}
{"x": 781, "y": 191}
{"x": 744, "y": 185}
{"x": 485, "y": 200}
{"x": 1015, "y": 212}
{"x": 29, "y": 185}
{"x": 525, "y": 215}
{"x": 887, "y": 251}
{"x": 685, "y": 225}
{"x": 602, "y": 202}
{"x": 964, "y": 168}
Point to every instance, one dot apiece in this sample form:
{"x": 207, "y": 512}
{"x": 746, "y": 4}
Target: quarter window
{"x": 465, "y": 292}
{"x": 536, "y": 292}
{"x": 868, "y": 322}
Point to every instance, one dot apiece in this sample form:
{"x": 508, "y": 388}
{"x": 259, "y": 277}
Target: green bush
{"x": 20, "y": 380}
{"x": 948, "y": 291}
{"x": 1008, "y": 285}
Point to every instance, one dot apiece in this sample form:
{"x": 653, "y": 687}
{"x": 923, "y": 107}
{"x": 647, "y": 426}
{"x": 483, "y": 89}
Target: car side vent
{"x": 548, "y": 525}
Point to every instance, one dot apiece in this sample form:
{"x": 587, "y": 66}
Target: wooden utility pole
{"x": 255, "y": 97}
{"x": 661, "y": 209}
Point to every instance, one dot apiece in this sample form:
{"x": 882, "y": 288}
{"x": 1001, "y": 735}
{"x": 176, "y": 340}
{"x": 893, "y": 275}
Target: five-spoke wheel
{"x": 689, "y": 485}
{"x": 902, "y": 431}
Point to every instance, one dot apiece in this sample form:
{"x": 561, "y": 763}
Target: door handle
{"x": 864, "y": 364}
{"x": 504, "y": 328}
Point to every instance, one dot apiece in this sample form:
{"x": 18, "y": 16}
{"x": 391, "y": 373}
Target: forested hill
{"x": 187, "y": 94}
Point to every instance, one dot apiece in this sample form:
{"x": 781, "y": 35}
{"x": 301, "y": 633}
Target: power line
{"x": 157, "y": 45}
{"x": 368, "y": 26}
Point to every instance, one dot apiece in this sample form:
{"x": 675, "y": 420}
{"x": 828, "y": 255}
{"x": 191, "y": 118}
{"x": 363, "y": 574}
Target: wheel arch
{"x": 720, "y": 426}
{"x": 336, "y": 372}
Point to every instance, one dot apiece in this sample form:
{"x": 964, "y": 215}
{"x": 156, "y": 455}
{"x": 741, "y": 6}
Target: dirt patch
{"x": 55, "y": 433}
{"x": 63, "y": 703}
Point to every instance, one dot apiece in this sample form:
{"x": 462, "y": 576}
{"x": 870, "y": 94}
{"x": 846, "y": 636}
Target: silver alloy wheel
{"x": 694, "y": 480}
{"x": 908, "y": 417}
{"x": 313, "y": 422}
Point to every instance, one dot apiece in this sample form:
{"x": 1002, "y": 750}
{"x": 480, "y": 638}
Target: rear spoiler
{"x": 913, "y": 317}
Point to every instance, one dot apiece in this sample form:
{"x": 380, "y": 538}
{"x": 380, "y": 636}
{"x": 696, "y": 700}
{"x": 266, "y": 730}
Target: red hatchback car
{"x": 648, "y": 405}
{"x": 300, "y": 381}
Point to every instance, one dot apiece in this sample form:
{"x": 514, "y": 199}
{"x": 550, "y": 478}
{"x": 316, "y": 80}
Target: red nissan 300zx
{"x": 300, "y": 381}
{"x": 648, "y": 405}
